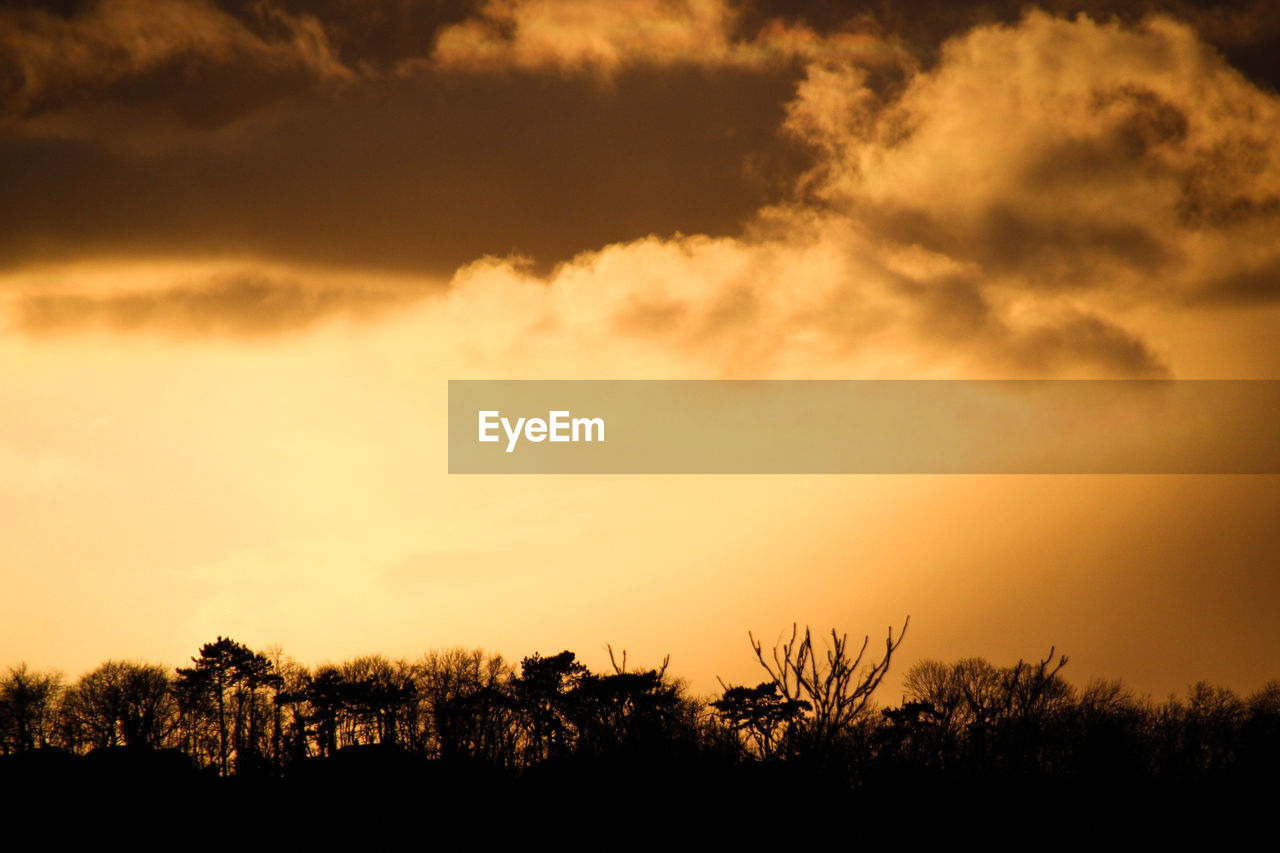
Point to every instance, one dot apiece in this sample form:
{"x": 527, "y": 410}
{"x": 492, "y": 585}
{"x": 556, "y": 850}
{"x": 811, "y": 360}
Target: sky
{"x": 245, "y": 245}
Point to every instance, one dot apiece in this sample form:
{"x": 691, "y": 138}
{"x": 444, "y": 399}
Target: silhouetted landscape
{"x": 476, "y": 746}
{"x": 256, "y": 255}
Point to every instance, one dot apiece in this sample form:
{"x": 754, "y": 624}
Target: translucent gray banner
{"x": 864, "y": 427}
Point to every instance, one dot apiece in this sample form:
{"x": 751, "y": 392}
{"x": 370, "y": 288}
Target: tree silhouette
{"x": 761, "y": 716}
{"x": 28, "y": 708}
{"x": 470, "y": 707}
{"x": 559, "y": 736}
{"x": 836, "y": 690}
{"x": 121, "y": 703}
{"x": 630, "y": 711}
{"x": 998, "y": 716}
{"x": 252, "y": 676}
{"x": 193, "y": 697}
{"x": 544, "y": 693}
{"x": 326, "y": 695}
{"x": 222, "y": 666}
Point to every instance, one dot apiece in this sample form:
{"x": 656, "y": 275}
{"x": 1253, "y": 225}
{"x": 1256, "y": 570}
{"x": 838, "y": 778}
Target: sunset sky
{"x": 245, "y": 244}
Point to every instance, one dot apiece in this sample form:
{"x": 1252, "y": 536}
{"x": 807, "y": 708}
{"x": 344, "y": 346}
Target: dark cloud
{"x": 204, "y": 63}
{"x": 1221, "y": 188}
{"x": 184, "y": 58}
{"x": 350, "y": 163}
{"x": 423, "y": 174}
{"x": 208, "y": 63}
{"x": 953, "y": 311}
{"x": 247, "y": 304}
{"x": 1048, "y": 161}
{"x": 1250, "y": 286}
{"x": 950, "y": 307}
{"x": 1246, "y": 32}
{"x": 1046, "y": 250}
{"x": 371, "y": 34}
{"x": 1089, "y": 340}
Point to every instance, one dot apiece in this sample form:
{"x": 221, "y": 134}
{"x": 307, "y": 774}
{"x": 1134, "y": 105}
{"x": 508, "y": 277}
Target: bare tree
{"x": 1035, "y": 690}
{"x": 27, "y": 708}
{"x": 464, "y": 694}
{"x": 381, "y": 699}
{"x": 120, "y": 703}
{"x": 836, "y": 689}
{"x": 936, "y": 688}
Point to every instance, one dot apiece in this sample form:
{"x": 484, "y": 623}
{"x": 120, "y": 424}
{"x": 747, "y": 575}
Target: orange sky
{"x": 243, "y": 247}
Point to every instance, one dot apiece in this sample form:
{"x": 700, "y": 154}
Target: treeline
{"x": 239, "y": 712}
{"x": 242, "y": 712}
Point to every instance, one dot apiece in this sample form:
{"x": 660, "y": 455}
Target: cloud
{"x": 817, "y": 300}
{"x": 1245, "y": 32}
{"x": 579, "y": 33}
{"x": 421, "y": 175}
{"x": 1008, "y": 210}
{"x": 1061, "y": 155}
{"x": 1016, "y": 208}
{"x": 582, "y": 35}
{"x": 1012, "y": 210}
{"x": 208, "y": 62}
{"x": 182, "y": 54}
{"x": 244, "y": 303}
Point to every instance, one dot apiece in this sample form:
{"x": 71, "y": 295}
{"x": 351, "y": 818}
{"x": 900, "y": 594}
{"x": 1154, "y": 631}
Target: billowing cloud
{"x": 1016, "y": 208}
{"x": 538, "y": 33}
{"x": 822, "y": 300}
{"x": 582, "y": 35}
{"x": 1063, "y": 155}
{"x": 1010, "y": 210}
{"x": 1245, "y": 32}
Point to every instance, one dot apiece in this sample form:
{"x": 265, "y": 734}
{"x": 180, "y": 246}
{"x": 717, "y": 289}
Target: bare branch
{"x": 835, "y": 693}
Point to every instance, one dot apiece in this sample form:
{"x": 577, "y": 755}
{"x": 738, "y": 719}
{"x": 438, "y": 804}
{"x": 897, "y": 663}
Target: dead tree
{"x": 836, "y": 691}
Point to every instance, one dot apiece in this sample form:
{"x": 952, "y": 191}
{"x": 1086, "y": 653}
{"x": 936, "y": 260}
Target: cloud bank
{"x": 1014, "y": 205}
